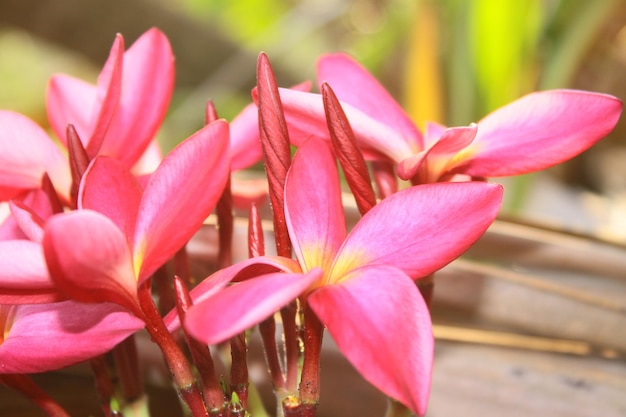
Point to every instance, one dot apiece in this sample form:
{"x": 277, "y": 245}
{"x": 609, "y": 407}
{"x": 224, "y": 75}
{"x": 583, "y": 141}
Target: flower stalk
{"x": 201, "y": 355}
{"x": 180, "y": 370}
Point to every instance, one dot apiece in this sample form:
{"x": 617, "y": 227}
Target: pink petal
{"x": 540, "y": 130}
{"x": 89, "y": 259}
{"x": 430, "y": 165}
{"x": 245, "y": 144}
{"x": 29, "y": 222}
{"x": 306, "y": 118}
{"x": 26, "y": 152}
{"x": 147, "y": 86}
{"x": 70, "y": 100}
{"x": 432, "y": 133}
{"x": 180, "y": 195}
{"x": 24, "y": 276}
{"x": 149, "y": 161}
{"x": 354, "y": 85}
{"x": 380, "y": 322}
{"x": 35, "y": 208}
{"x": 109, "y": 188}
{"x": 245, "y": 304}
{"x": 108, "y": 92}
{"x": 240, "y": 271}
{"x": 46, "y": 337}
{"x": 422, "y": 228}
{"x": 313, "y": 207}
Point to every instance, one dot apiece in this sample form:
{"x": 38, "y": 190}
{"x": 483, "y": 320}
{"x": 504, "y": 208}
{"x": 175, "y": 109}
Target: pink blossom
{"x": 122, "y": 233}
{"x": 534, "y": 132}
{"x": 359, "y": 284}
{"x": 120, "y": 115}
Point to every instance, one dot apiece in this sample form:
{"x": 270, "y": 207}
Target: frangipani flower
{"x": 120, "y": 115}
{"x": 45, "y": 337}
{"x": 535, "y": 132}
{"x": 121, "y": 234}
{"x": 359, "y": 284}
{"x": 26, "y": 154}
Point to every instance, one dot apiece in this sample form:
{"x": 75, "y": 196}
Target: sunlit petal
{"x": 46, "y": 337}
{"x": 306, "y": 118}
{"x": 70, "y": 100}
{"x": 540, "y": 130}
{"x": 109, "y": 188}
{"x": 313, "y": 205}
{"x": 24, "y": 276}
{"x": 422, "y": 228}
{"x": 26, "y": 153}
{"x": 381, "y": 324}
{"x": 354, "y": 85}
{"x": 147, "y": 86}
{"x": 245, "y": 304}
{"x": 180, "y": 195}
{"x": 240, "y": 271}
{"x": 442, "y": 156}
{"x": 89, "y": 259}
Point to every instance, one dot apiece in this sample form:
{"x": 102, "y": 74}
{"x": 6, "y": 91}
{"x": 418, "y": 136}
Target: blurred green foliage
{"x": 452, "y": 61}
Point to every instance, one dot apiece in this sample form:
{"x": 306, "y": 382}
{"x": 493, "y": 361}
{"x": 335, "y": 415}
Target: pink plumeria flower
{"x": 359, "y": 284}
{"x": 120, "y": 115}
{"x": 26, "y": 154}
{"x": 532, "y": 133}
{"x": 122, "y": 233}
{"x": 45, "y": 337}
{"x": 117, "y": 117}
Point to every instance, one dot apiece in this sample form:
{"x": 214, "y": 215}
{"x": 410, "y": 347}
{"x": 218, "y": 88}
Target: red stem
{"x": 267, "y": 328}
{"x": 200, "y": 353}
{"x": 239, "y": 368}
{"x": 103, "y": 382}
{"x": 163, "y": 288}
{"x": 292, "y": 348}
{"x": 256, "y": 239}
{"x": 310, "y": 382}
{"x": 225, "y": 225}
{"x": 182, "y": 268}
{"x": 127, "y": 365}
{"x": 174, "y": 357}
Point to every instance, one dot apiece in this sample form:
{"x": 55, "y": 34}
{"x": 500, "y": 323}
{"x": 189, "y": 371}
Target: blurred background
{"x": 451, "y": 61}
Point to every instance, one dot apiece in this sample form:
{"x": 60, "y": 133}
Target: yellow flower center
{"x": 7, "y": 315}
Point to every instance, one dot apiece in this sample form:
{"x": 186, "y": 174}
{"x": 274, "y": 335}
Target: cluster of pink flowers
{"x": 90, "y": 221}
